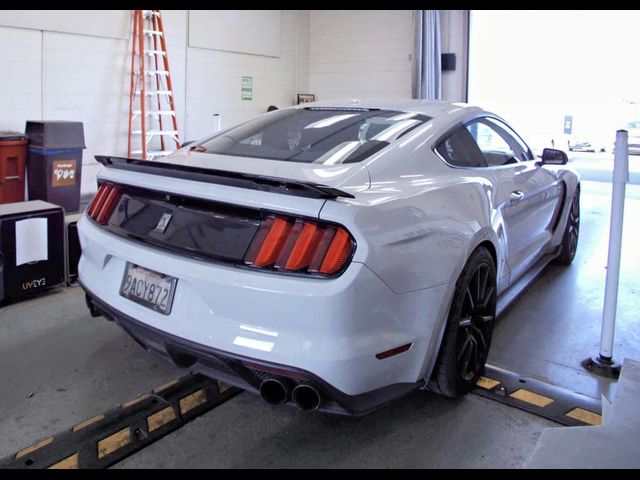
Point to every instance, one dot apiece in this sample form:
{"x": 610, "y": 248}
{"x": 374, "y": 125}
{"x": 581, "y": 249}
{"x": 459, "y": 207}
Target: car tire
{"x": 467, "y": 337}
{"x": 569, "y": 244}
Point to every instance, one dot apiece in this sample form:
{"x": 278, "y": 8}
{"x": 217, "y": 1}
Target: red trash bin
{"x": 13, "y": 154}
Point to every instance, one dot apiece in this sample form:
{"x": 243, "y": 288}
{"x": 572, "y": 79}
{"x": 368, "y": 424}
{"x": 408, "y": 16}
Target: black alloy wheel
{"x": 475, "y": 325}
{"x": 569, "y": 245}
{"x": 467, "y": 338}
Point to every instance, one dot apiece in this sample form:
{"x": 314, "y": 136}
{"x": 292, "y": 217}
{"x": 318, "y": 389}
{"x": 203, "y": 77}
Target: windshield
{"x": 328, "y": 136}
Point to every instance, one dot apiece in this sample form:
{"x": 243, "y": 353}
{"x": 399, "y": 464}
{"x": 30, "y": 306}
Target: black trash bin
{"x": 54, "y": 164}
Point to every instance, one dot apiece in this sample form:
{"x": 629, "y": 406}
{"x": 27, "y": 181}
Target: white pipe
{"x": 296, "y": 91}
{"x": 217, "y": 122}
{"x": 620, "y": 178}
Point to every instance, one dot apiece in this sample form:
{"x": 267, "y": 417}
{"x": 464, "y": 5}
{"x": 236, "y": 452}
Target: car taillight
{"x": 298, "y": 245}
{"x": 104, "y": 202}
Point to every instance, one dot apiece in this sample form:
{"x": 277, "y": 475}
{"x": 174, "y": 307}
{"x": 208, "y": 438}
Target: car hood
{"x": 351, "y": 178}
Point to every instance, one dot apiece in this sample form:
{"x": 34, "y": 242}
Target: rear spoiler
{"x": 222, "y": 177}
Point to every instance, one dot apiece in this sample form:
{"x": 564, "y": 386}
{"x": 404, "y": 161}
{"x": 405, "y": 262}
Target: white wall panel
{"x": 213, "y": 79}
{"x": 100, "y": 23}
{"x": 361, "y": 53}
{"x": 52, "y": 74}
{"x": 20, "y": 77}
{"x": 255, "y": 32}
{"x": 454, "y": 24}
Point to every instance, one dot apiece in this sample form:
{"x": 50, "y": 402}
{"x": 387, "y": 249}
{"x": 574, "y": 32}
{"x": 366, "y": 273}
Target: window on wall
{"x": 537, "y": 68}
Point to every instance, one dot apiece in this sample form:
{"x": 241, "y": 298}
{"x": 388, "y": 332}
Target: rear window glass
{"x": 460, "y": 150}
{"x": 328, "y": 136}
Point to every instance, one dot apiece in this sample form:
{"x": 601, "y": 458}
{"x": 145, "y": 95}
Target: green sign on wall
{"x": 246, "y": 88}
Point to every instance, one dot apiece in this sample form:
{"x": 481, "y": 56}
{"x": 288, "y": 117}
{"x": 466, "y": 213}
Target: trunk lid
{"x": 210, "y": 206}
{"x": 351, "y": 178}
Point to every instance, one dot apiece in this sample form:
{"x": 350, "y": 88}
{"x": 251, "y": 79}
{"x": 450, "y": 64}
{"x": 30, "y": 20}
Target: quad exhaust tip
{"x": 306, "y": 397}
{"x": 274, "y": 391}
{"x": 277, "y": 391}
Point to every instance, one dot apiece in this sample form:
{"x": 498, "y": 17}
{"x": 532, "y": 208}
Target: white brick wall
{"x": 213, "y": 83}
{"x": 369, "y": 53}
{"x": 332, "y": 53}
{"x": 361, "y": 53}
{"x": 84, "y": 80}
{"x": 453, "y": 25}
{"x": 20, "y": 77}
{"x": 65, "y": 76}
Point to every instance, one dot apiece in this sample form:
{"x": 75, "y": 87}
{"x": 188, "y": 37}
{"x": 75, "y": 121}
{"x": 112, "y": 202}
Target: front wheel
{"x": 572, "y": 230}
{"x": 467, "y": 336}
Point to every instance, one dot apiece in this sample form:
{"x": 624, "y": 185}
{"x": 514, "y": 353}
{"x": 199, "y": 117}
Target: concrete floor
{"x": 557, "y": 323}
{"x": 60, "y": 366}
{"x": 599, "y": 166}
{"x": 420, "y": 431}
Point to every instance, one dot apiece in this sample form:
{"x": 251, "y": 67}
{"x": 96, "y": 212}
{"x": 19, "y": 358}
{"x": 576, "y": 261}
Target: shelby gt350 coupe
{"x": 332, "y": 255}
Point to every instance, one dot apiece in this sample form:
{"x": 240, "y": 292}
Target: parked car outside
{"x": 633, "y": 129}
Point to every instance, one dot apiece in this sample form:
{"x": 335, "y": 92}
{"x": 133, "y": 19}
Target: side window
{"x": 460, "y": 150}
{"x": 499, "y": 144}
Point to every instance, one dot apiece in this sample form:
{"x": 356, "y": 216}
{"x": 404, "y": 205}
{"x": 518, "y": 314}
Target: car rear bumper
{"x": 240, "y": 371}
{"x": 330, "y": 329}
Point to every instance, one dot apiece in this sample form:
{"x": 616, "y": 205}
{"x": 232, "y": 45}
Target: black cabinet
{"x": 32, "y": 248}
{"x": 73, "y": 249}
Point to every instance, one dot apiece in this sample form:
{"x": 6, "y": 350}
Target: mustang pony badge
{"x": 164, "y": 222}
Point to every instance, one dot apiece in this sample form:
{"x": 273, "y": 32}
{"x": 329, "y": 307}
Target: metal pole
{"x": 217, "y": 122}
{"x": 620, "y": 178}
{"x": 604, "y": 364}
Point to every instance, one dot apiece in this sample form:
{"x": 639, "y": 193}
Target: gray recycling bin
{"x": 54, "y": 163}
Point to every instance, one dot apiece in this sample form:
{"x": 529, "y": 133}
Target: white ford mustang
{"x": 333, "y": 255}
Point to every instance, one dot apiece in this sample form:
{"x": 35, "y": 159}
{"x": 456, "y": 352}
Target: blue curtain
{"x": 428, "y": 83}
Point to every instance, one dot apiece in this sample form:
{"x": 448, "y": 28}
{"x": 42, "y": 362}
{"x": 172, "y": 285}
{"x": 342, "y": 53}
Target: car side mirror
{"x": 551, "y": 156}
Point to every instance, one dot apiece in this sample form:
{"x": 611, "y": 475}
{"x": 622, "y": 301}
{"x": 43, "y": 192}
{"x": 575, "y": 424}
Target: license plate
{"x": 152, "y": 289}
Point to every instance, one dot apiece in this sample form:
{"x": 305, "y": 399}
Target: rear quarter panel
{"x": 421, "y": 238}
{"x": 420, "y": 219}
{"x": 415, "y": 229}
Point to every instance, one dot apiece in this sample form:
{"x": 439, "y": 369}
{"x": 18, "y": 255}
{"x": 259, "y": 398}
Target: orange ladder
{"x": 151, "y": 96}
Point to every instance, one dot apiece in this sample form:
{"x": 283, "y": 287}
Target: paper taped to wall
{"x": 31, "y": 240}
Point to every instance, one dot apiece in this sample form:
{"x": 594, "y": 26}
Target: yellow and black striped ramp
{"x": 107, "y": 438}
{"x": 549, "y": 401}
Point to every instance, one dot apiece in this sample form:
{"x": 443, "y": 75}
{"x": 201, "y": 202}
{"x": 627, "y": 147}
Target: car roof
{"x": 431, "y": 108}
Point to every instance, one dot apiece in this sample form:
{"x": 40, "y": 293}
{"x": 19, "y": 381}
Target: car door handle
{"x": 516, "y": 196}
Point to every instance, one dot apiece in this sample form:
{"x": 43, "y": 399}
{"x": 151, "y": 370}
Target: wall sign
{"x": 246, "y": 88}
{"x": 306, "y": 98}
